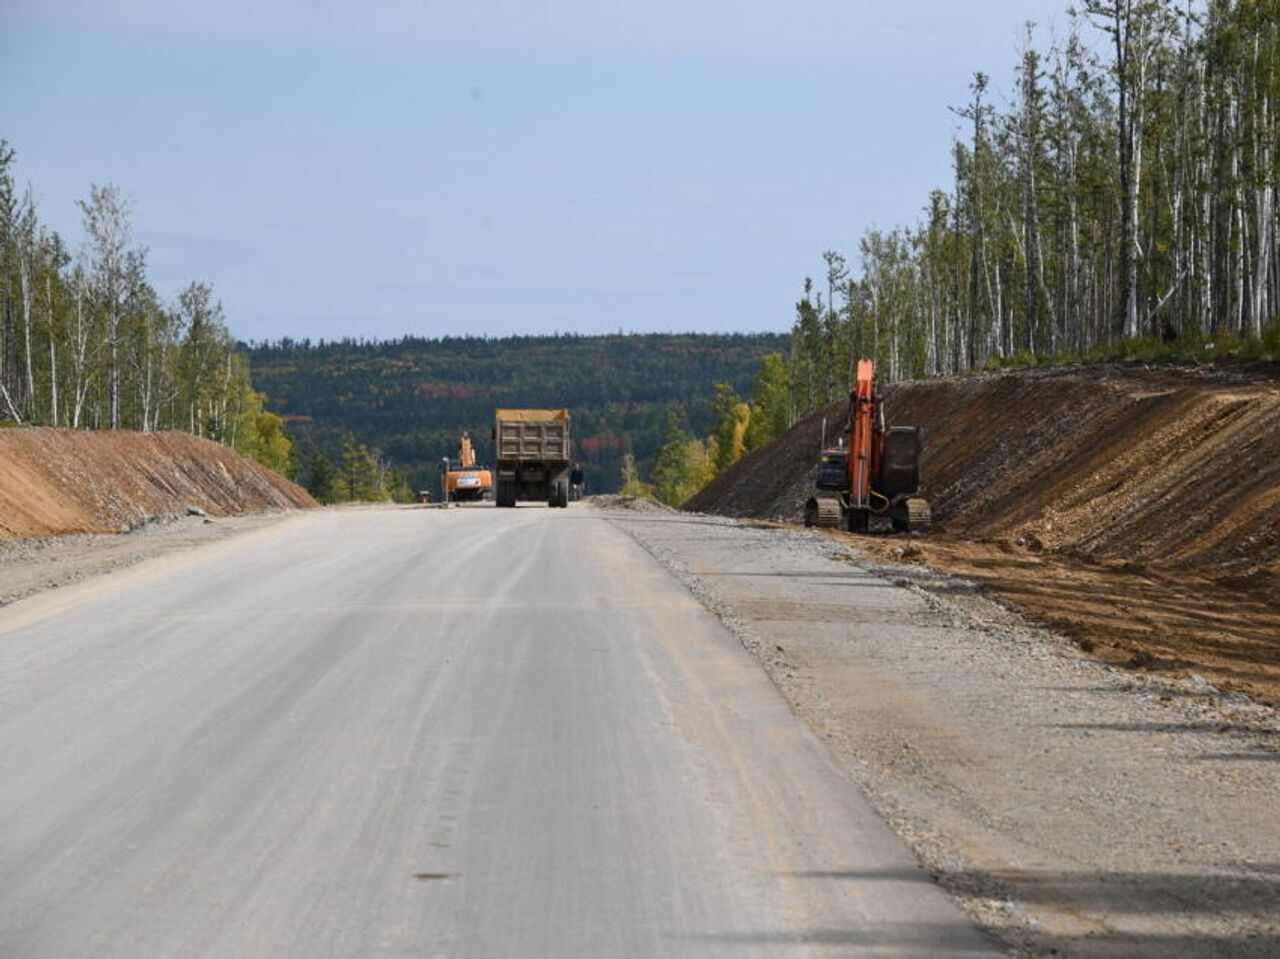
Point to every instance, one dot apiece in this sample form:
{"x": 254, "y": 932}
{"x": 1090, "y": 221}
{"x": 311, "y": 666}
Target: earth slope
{"x": 1135, "y": 508}
{"x": 56, "y": 482}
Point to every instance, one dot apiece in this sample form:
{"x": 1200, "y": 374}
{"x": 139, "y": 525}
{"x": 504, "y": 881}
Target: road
{"x": 412, "y": 732}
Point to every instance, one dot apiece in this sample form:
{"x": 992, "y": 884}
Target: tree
{"x": 1136, "y": 29}
{"x": 10, "y": 241}
{"x": 731, "y": 417}
{"x": 360, "y": 478}
{"x": 837, "y": 273}
{"x": 1031, "y": 163}
{"x": 323, "y": 481}
{"x": 768, "y": 402}
{"x": 397, "y": 485}
{"x": 115, "y": 268}
{"x": 630, "y": 483}
{"x": 684, "y": 464}
{"x": 669, "y": 464}
{"x": 1118, "y": 199}
{"x": 206, "y": 346}
{"x": 261, "y": 436}
{"x": 89, "y": 342}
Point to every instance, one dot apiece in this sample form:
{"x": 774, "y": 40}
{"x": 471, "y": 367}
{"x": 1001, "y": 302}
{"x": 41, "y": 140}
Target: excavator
{"x": 462, "y": 479}
{"x": 870, "y": 484}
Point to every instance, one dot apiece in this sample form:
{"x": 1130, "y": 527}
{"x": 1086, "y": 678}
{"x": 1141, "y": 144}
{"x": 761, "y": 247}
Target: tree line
{"x": 1123, "y": 200}
{"x": 685, "y": 462}
{"x": 1121, "y": 203}
{"x": 411, "y": 398}
{"x": 361, "y": 475}
{"x": 86, "y": 341}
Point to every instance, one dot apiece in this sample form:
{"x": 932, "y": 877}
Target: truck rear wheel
{"x": 558, "y": 494}
{"x": 506, "y": 493}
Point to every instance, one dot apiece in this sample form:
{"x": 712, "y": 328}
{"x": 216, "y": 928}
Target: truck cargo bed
{"x": 533, "y": 450}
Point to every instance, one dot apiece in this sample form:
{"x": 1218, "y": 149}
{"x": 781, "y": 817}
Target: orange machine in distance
{"x": 462, "y": 479}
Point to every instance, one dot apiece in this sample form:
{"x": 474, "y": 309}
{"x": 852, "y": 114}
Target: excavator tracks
{"x": 823, "y": 513}
{"x": 919, "y": 516}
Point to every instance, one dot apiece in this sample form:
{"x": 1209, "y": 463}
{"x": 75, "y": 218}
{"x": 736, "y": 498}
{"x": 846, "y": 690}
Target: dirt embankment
{"x": 57, "y": 482}
{"x": 1135, "y": 509}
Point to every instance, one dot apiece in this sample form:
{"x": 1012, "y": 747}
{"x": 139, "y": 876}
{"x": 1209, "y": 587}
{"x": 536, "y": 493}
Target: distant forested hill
{"x": 411, "y": 398}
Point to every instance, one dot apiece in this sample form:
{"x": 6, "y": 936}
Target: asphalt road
{"x": 407, "y": 732}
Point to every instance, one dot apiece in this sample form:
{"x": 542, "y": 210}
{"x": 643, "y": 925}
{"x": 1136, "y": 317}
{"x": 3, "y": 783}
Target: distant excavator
{"x": 462, "y": 479}
{"x": 869, "y": 483}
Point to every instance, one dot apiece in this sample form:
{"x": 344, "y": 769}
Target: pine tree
{"x": 323, "y": 481}
{"x": 768, "y": 402}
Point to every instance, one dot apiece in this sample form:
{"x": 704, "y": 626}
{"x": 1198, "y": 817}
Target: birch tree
{"x": 113, "y": 266}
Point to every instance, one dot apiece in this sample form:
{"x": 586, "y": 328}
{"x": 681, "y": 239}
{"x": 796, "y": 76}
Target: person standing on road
{"x": 576, "y": 481}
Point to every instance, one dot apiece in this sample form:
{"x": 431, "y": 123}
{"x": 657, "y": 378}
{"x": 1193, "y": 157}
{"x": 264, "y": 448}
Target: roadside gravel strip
{"x": 1071, "y": 807}
{"x": 30, "y": 566}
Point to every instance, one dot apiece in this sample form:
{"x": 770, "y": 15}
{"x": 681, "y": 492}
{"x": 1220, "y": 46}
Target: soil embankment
{"x": 1135, "y": 509}
{"x": 59, "y": 482}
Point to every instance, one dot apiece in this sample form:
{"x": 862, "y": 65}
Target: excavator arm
{"x": 862, "y": 414}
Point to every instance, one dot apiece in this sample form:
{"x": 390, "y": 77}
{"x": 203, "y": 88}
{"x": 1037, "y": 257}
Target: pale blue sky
{"x": 386, "y": 167}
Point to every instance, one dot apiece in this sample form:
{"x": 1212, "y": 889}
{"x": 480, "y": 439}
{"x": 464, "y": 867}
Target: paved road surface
{"x": 404, "y": 732}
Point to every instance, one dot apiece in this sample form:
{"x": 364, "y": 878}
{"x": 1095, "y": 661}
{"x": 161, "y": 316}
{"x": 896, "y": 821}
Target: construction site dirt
{"x": 65, "y": 482}
{"x": 66, "y": 495}
{"x": 1134, "y": 509}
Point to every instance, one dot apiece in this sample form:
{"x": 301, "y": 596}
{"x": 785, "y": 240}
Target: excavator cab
{"x": 833, "y": 470}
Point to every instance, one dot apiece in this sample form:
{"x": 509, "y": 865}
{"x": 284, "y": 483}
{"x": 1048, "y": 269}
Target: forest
{"x": 87, "y": 342}
{"x": 1121, "y": 203}
{"x": 408, "y": 400}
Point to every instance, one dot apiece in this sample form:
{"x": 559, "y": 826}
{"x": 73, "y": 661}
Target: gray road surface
{"x": 405, "y": 732}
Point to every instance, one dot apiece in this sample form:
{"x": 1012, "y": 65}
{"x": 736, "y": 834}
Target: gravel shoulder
{"x": 1072, "y": 807}
{"x": 30, "y": 566}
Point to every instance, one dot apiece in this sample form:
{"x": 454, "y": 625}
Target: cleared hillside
{"x": 55, "y": 482}
{"x": 1137, "y": 509}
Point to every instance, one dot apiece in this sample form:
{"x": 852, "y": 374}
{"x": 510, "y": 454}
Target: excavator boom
{"x": 862, "y": 412}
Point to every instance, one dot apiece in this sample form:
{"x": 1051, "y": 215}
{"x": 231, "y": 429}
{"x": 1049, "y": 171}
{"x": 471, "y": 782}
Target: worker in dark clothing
{"x": 576, "y": 481}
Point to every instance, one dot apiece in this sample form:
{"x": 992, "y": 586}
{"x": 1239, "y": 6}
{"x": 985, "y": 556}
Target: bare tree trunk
{"x": 53, "y": 349}
{"x": 80, "y": 357}
{"x": 1264, "y": 222}
{"x": 28, "y": 294}
{"x": 12, "y": 409}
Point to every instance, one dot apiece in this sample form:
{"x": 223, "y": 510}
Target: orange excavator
{"x": 870, "y": 483}
{"x": 462, "y": 479}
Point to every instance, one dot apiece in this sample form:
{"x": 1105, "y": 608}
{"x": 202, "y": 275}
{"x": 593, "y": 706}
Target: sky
{"x": 386, "y": 167}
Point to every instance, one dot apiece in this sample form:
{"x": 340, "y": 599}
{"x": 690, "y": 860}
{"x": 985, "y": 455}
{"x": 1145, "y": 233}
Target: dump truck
{"x": 532, "y": 451}
{"x": 872, "y": 482}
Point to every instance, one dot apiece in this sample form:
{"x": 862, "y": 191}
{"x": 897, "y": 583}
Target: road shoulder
{"x": 1071, "y": 807}
{"x": 32, "y": 566}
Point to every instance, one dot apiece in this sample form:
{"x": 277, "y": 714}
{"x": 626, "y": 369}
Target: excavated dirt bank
{"x": 1135, "y": 509}
{"x": 59, "y": 482}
